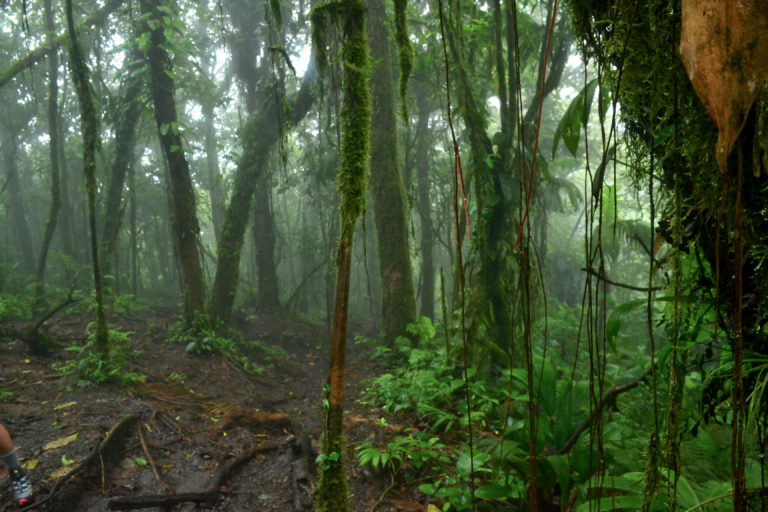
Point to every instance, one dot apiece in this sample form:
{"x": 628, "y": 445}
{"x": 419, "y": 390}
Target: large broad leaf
{"x": 577, "y": 114}
{"x": 724, "y": 47}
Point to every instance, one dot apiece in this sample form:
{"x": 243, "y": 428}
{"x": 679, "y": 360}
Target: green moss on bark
{"x": 405, "y": 54}
{"x": 355, "y": 145}
{"x": 90, "y": 127}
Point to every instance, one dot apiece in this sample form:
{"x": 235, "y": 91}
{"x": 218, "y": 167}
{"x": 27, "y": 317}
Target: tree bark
{"x": 185, "y": 226}
{"x": 264, "y": 240}
{"x": 258, "y": 136}
{"x": 126, "y": 120}
{"x": 355, "y": 146}
{"x": 90, "y": 131}
{"x": 424, "y": 207}
{"x": 53, "y": 132}
{"x": 398, "y": 301}
{"x": 215, "y": 193}
{"x": 15, "y": 204}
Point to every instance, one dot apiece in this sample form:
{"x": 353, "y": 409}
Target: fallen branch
{"x": 210, "y": 495}
{"x": 115, "y": 433}
{"x": 608, "y": 398}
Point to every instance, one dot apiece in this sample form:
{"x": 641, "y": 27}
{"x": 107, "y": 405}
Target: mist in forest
{"x": 542, "y": 227}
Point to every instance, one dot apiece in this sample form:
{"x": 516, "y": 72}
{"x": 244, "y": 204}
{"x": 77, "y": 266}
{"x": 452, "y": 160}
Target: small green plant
{"x": 207, "y": 343}
{"x": 92, "y": 367}
{"x": 204, "y": 342}
{"x": 324, "y": 461}
{"x": 129, "y": 306}
{"x": 418, "y": 451}
{"x": 176, "y": 377}
{"x": 15, "y": 307}
{"x": 5, "y": 395}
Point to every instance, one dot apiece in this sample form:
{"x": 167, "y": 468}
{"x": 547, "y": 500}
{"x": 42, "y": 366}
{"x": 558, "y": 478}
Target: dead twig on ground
{"x": 151, "y": 461}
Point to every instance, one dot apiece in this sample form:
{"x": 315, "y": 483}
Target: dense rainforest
{"x": 425, "y": 255}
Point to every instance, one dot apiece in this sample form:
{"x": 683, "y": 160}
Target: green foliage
{"x": 414, "y": 452}
{"x": 176, "y": 377}
{"x": 325, "y": 461}
{"x": 16, "y": 307}
{"x": 576, "y": 116}
{"x": 93, "y": 367}
{"x": 204, "y": 342}
{"x": 128, "y": 305}
{"x": 5, "y": 395}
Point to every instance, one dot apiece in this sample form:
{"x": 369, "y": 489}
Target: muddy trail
{"x": 197, "y": 432}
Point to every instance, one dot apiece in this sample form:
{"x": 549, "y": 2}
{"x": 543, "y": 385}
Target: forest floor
{"x": 180, "y": 429}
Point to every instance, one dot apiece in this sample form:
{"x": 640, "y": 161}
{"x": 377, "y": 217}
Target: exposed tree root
{"x": 210, "y": 495}
{"x": 107, "y": 454}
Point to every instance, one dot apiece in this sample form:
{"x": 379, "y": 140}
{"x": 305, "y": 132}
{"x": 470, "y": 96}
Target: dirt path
{"x": 190, "y": 417}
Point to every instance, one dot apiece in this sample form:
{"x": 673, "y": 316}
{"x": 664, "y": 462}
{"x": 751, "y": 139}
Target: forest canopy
{"x": 543, "y": 223}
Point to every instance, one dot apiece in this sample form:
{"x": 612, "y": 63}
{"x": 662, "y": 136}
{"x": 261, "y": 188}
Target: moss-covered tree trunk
{"x": 398, "y": 301}
{"x": 258, "y": 136}
{"x": 355, "y": 132}
{"x": 53, "y": 146}
{"x": 125, "y": 121}
{"x": 90, "y": 131}
{"x": 186, "y": 229}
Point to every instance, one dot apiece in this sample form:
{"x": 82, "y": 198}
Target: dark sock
{"x": 11, "y": 460}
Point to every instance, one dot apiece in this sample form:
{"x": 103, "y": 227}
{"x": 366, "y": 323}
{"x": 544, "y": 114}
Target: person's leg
{"x": 7, "y": 451}
{"x": 22, "y": 488}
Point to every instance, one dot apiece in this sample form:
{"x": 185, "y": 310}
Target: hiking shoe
{"x": 22, "y": 487}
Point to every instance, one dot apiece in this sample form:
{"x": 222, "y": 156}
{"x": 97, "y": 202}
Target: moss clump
{"x": 405, "y": 54}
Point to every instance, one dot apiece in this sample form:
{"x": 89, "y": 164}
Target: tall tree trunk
{"x": 134, "y": 244}
{"x": 424, "y": 208}
{"x": 355, "y": 144}
{"x": 90, "y": 130}
{"x": 53, "y": 132}
{"x": 398, "y": 301}
{"x": 215, "y": 193}
{"x": 66, "y": 217}
{"x": 264, "y": 240}
{"x": 185, "y": 226}
{"x": 129, "y": 112}
{"x": 258, "y": 136}
{"x": 15, "y": 204}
